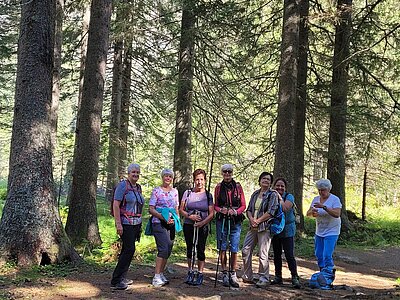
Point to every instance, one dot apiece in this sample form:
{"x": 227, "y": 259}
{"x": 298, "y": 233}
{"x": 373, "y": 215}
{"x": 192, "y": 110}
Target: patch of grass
{"x": 19, "y": 276}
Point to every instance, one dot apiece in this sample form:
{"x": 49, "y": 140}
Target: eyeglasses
{"x": 227, "y": 171}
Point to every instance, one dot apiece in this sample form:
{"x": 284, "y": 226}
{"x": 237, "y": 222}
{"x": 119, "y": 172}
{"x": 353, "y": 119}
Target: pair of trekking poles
{"x": 228, "y": 219}
{"x": 194, "y": 277}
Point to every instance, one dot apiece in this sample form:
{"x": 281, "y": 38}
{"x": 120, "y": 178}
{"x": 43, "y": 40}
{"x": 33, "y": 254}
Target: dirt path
{"x": 360, "y": 275}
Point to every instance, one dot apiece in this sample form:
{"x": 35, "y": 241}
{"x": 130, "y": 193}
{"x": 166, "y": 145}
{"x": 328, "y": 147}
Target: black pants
{"x": 188, "y": 231}
{"x": 288, "y": 246}
{"x": 129, "y": 235}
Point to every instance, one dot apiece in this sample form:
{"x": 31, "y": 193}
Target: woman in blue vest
{"x": 285, "y": 240}
{"x": 127, "y": 207}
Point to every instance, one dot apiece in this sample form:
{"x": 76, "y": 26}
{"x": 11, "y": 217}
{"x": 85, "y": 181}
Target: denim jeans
{"x": 324, "y": 247}
{"x": 234, "y": 236}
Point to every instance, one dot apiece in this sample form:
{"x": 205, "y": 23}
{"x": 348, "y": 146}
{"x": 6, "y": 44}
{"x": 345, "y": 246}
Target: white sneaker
{"x": 157, "y": 281}
{"x": 163, "y": 278}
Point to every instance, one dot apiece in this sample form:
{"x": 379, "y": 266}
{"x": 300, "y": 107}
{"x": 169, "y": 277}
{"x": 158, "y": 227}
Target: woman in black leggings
{"x": 198, "y": 209}
{"x": 285, "y": 239}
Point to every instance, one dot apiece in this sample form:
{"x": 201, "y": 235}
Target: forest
{"x": 302, "y": 89}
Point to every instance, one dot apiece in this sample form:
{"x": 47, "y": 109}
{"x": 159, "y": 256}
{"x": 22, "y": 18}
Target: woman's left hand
{"x": 199, "y": 224}
{"x": 170, "y": 221}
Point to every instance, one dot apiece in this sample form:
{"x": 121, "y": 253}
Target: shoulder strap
{"x": 127, "y": 183}
{"x": 188, "y": 192}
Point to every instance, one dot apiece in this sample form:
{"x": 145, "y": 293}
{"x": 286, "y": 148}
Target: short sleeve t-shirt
{"x": 161, "y": 199}
{"x": 327, "y": 225}
{"x": 290, "y": 220}
{"x": 196, "y": 202}
{"x": 134, "y": 203}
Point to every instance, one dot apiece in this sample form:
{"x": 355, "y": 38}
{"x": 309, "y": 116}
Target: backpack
{"x": 277, "y": 222}
{"x": 128, "y": 188}
{"x": 322, "y": 280}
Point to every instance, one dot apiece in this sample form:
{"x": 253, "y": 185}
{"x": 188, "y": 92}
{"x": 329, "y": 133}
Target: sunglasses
{"x": 227, "y": 171}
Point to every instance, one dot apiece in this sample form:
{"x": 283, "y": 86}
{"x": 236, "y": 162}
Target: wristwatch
{"x": 324, "y": 207}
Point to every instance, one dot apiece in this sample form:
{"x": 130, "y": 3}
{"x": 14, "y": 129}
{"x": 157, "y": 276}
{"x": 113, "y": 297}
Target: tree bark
{"x": 125, "y": 103}
{"x": 284, "y": 147}
{"x": 338, "y": 110}
{"x": 84, "y": 41}
{"x": 56, "y": 70}
{"x": 115, "y": 120}
{"x": 31, "y": 231}
{"x": 82, "y": 217}
{"x": 301, "y": 106}
{"x": 184, "y": 102}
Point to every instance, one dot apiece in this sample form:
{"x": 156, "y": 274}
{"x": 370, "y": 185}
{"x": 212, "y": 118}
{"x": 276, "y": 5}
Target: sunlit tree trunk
{"x": 115, "y": 119}
{"x": 125, "y": 104}
{"x": 84, "y": 41}
{"x": 338, "y": 110}
{"x": 82, "y": 217}
{"x": 284, "y": 147}
{"x": 56, "y": 70}
{"x": 31, "y": 232}
{"x": 301, "y": 105}
{"x": 184, "y": 102}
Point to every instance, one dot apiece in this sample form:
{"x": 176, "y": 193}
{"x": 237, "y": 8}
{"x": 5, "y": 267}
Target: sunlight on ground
{"x": 65, "y": 288}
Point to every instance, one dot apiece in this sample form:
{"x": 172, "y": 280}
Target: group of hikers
{"x": 198, "y": 208}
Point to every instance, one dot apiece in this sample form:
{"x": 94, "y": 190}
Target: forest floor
{"x": 361, "y": 274}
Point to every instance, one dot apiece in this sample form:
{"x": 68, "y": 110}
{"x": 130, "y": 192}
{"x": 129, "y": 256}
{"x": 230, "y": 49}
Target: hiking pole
{"x": 194, "y": 250}
{"x": 229, "y": 253}
{"x": 219, "y": 250}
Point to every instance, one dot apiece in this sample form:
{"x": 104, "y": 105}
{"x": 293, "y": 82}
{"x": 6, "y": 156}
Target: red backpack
{"x": 128, "y": 188}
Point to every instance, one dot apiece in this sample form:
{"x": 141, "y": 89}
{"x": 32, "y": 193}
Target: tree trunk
{"x": 365, "y": 179}
{"x": 115, "y": 119}
{"x": 31, "y": 231}
{"x": 338, "y": 111}
{"x": 84, "y": 41}
{"x": 125, "y": 103}
{"x": 56, "y": 70}
{"x": 284, "y": 147}
{"x": 184, "y": 102}
{"x": 82, "y": 217}
{"x": 301, "y": 105}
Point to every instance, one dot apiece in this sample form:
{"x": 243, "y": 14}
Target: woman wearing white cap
{"x": 229, "y": 205}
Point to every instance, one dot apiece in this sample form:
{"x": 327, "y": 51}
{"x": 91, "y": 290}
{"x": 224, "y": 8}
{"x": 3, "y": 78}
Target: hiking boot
{"x": 233, "y": 280}
{"x": 225, "y": 279}
{"x": 119, "y": 286}
{"x": 157, "y": 281}
{"x": 163, "y": 278}
{"x": 296, "y": 282}
{"x": 127, "y": 281}
{"x": 249, "y": 281}
{"x": 199, "y": 279}
{"x": 189, "y": 277}
{"x": 277, "y": 280}
{"x": 262, "y": 283}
